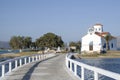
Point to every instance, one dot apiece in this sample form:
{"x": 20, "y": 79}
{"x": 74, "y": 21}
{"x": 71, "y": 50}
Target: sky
{"x": 69, "y": 19}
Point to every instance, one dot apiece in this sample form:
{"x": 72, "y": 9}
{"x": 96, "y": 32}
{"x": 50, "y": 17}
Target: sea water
{"x": 8, "y": 51}
{"x": 111, "y": 64}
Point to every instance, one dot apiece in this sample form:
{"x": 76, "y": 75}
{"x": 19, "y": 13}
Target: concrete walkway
{"x": 51, "y": 69}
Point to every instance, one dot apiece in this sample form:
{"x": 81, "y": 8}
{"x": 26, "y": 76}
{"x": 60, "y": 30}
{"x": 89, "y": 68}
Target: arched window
{"x": 111, "y": 45}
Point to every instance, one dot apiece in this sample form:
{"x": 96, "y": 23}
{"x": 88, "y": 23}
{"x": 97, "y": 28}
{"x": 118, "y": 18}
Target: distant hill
{"x": 4, "y": 44}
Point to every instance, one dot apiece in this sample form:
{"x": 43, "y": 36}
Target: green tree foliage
{"x": 27, "y": 42}
{"x": 49, "y": 40}
{"x": 72, "y": 44}
{"x": 108, "y": 37}
{"x": 33, "y": 45}
{"x": 76, "y": 44}
{"x": 18, "y": 42}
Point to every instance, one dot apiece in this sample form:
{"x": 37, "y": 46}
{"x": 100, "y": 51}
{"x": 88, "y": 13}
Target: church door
{"x": 91, "y": 46}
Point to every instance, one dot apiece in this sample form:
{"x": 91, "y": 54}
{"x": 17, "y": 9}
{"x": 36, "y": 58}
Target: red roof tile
{"x": 98, "y": 24}
{"x": 103, "y": 34}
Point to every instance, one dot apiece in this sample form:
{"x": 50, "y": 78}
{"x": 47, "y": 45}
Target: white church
{"x": 95, "y": 41}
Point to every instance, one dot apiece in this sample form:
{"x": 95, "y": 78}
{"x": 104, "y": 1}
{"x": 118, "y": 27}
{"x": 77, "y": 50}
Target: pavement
{"x": 50, "y": 69}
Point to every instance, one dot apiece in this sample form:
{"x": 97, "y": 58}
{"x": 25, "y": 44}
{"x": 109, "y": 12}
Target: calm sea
{"x": 5, "y": 52}
{"x": 111, "y": 64}
{"x": 8, "y": 51}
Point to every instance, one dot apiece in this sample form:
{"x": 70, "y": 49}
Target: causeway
{"x": 51, "y": 69}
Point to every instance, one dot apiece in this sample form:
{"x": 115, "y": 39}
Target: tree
{"x": 49, "y": 40}
{"x": 108, "y": 37}
{"x": 72, "y": 44}
{"x": 16, "y": 42}
{"x": 33, "y": 45}
{"x": 19, "y": 42}
{"x": 27, "y": 42}
{"x": 77, "y": 45}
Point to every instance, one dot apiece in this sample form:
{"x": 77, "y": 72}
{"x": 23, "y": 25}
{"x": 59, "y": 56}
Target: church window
{"x": 104, "y": 46}
{"x": 111, "y": 45}
{"x": 96, "y": 29}
{"x": 99, "y": 29}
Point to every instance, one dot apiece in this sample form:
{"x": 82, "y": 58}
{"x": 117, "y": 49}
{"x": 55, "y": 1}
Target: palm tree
{"x": 108, "y": 37}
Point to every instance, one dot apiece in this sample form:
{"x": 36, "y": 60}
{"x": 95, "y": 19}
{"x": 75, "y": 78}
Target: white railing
{"x": 72, "y": 65}
{"x": 9, "y": 65}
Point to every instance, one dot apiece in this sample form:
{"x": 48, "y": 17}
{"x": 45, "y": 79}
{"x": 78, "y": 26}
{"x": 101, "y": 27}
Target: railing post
{"x": 3, "y": 70}
{"x": 16, "y": 62}
{"x": 75, "y": 69}
{"x": 95, "y": 75}
{"x": 36, "y": 58}
{"x": 39, "y": 57}
{"x": 66, "y": 62}
{"x": 32, "y": 58}
{"x": 43, "y": 56}
{"x": 70, "y": 66}
{"x": 20, "y": 62}
{"x": 96, "y": 71}
{"x": 25, "y": 60}
{"x": 10, "y": 66}
{"x": 82, "y": 73}
{"x": 29, "y": 60}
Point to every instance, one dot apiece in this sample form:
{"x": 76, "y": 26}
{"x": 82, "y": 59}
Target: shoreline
{"x": 109, "y": 54}
{"x": 13, "y": 55}
{"x": 6, "y": 56}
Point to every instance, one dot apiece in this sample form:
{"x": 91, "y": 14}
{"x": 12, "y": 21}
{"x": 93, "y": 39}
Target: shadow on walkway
{"x": 27, "y": 76}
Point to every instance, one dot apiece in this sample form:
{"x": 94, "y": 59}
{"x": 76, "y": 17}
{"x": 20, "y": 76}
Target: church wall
{"x": 91, "y": 38}
{"x": 97, "y": 43}
{"x": 97, "y": 40}
{"x": 85, "y": 43}
{"x": 103, "y": 44}
{"x": 113, "y": 44}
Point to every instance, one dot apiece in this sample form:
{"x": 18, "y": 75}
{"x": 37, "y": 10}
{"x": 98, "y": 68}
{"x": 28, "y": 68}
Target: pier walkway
{"x": 51, "y": 69}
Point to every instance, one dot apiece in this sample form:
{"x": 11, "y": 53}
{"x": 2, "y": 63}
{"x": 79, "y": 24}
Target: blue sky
{"x": 69, "y": 19}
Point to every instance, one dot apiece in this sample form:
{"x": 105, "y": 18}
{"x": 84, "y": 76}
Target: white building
{"x": 95, "y": 40}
